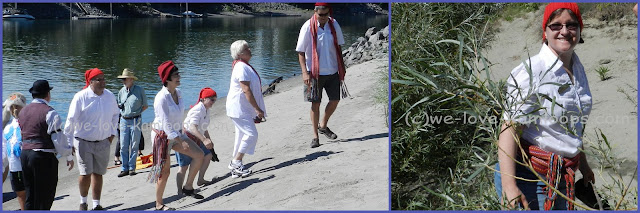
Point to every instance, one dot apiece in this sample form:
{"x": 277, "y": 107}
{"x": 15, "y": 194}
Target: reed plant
{"x": 440, "y": 159}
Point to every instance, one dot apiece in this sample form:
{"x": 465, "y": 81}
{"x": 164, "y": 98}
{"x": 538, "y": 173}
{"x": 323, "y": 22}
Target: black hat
{"x": 40, "y": 87}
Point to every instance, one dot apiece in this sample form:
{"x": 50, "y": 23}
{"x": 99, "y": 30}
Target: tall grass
{"x": 438, "y": 72}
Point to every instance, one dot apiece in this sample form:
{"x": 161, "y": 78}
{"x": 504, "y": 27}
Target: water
{"x": 60, "y": 51}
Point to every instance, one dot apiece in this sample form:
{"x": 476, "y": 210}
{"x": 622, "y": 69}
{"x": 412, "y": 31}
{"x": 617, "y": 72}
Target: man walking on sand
{"x": 42, "y": 139}
{"x": 322, "y": 66}
{"x": 91, "y": 126}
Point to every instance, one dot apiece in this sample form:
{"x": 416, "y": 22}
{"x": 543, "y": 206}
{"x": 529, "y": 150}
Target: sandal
{"x": 117, "y": 162}
{"x": 327, "y": 132}
{"x": 165, "y": 208}
{"x": 191, "y": 193}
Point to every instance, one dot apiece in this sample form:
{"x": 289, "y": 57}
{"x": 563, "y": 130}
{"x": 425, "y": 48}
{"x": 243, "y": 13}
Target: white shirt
{"x": 92, "y": 117}
{"x": 559, "y": 127}
{"x": 11, "y": 142}
{"x": 327, "y": 54}
{"x": 237, "y": 104}
{"x": 168, "y": 114}
{"x": 63, "y": 146}
{"x": 198, "y": 115}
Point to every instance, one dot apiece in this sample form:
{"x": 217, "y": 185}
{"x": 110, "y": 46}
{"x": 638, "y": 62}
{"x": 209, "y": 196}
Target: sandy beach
{"x": 610, "y": 44}
{"x": 349, "y": 173}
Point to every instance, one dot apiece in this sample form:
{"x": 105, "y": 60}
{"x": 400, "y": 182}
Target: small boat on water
{"x": 17, "y": 15}
{"x": 191, "y": 14}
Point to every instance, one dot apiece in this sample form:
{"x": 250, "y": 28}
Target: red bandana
{"x": 89, "y": 74}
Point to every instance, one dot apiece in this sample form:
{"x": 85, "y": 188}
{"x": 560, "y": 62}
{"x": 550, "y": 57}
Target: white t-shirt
{"x": 92, "y": 117}
{"x": 237, "y": 104}
{"x": 559, "y": 127}
{"x": 198, "y": 115}
{"x": 327, "y": 54}
{"x": 11, "y": 142}
{"x": 168, "y": 114}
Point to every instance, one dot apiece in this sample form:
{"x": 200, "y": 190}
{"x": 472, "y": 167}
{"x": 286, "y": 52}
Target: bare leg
{"x": 239, "y": 156}
{"x": 22, "y": 197}
{"x": 180, "y": 178}
{"x": 192, "y": 150}
{"x": 84, "y": 181}
{"x": 315, "y": 117}
{"x": 162, "y": 183}
{"x": 96, "y": 184}
{"x": 203, "y": 169}
{"x": 328, "y": 111}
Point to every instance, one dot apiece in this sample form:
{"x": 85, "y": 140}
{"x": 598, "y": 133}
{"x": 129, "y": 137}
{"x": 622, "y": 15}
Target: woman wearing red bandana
{"x": 320, "y": 58}
{"x": 196, "y": 126}
{"x": 550, "y": 129}
{"x": 167, "y": 134}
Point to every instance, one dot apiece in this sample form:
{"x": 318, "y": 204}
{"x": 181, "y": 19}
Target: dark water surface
{"x": 61, "y": 50}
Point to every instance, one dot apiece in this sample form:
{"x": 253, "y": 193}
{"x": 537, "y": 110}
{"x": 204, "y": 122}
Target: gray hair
{"x": 320, "y": 8}
{"x": 15, "y": 98}
{"x": 237, "y": 47}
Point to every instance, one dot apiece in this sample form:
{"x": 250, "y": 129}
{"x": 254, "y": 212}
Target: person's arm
{"x": 303, "y": 66}
{"x": 252, "y": 100}
{"x": 585, "y": 169}
{"x": 163, "y": 110}
{"x": 60, "y": 142}
{"x": 69, "y": 126}
{"x": 5, "y": 159}
{"x": 145, "y": 104}
{"x": 507, "y": 149}
{"x": 193, "y": 129}
{"x": 635, "y": 9}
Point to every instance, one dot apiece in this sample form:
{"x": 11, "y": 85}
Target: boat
{"x": 17, "y": 15}
{"x": 191, "y": 14}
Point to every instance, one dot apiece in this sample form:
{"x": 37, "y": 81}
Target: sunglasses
{"x": 323, "y": 14}
{"x": 98, "y": 79}
{"x": 558, "y": 27}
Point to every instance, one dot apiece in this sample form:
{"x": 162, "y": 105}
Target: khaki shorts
{"x": 92, "y": 157}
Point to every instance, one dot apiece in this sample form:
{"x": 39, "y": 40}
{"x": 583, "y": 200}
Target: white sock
{"x": 83, "y": 199}
{"x": 96, "y": 203}
{"x": 237, "y": 162}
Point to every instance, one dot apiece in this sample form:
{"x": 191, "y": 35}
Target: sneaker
{"x": 123, "y": 173}
{"x": 98, "y": 208}
{"x": 327, "y": 132}
{"x": 315, "y": 143}
{"x": 84, "y": 207}
{"x": 238, "y": 170}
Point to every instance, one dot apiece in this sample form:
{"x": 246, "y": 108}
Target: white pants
{"x": 246, "y": 136}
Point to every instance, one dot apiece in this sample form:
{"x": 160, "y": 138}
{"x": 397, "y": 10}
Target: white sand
{"x": 612, "y": 112}
{"x": 351, "y": 173}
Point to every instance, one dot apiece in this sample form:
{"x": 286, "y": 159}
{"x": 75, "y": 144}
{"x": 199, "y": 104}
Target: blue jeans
{"x": 129, "y": 141}
{"x": 185, "y": 160}
{"x": 533, "y": 191}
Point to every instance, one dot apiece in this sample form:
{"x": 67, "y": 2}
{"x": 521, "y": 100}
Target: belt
{"x": 89, "y": 140}
{"x": 128, "y": 118}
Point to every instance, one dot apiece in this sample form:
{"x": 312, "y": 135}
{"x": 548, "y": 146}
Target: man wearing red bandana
{"x": 91, "y": 126}
{"x": 320, "y": 58}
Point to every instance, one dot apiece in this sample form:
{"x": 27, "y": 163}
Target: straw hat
{"x": 126, "y": 73}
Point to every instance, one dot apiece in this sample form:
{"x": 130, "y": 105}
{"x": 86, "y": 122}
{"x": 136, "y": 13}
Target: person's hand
{"x": 70, "y": 164}
{"x": 306, "y": 79}
{"x": 208, "y": 143}
{"x": 111, "y": 138}
{"x": 587, "y": 174}
{"x": 260, "y": 113}
{"x": 635, "y": 10}
{"x": 514, "y": 196}
{"x": 73, "y": 151}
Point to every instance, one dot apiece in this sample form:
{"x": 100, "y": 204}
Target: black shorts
{"x": 330, "y": 83}
{"x": 17, "y": 181}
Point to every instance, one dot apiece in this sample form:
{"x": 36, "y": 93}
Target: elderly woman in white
{"x": 245, "y": 106}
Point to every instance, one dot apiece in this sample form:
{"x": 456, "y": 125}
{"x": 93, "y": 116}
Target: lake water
{"x": 61, "y": 50}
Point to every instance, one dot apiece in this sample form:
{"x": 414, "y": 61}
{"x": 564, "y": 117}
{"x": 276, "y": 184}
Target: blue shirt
{"x": 134, "y": 100}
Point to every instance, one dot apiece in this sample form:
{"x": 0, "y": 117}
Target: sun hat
{"x": 127, "y": 73}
